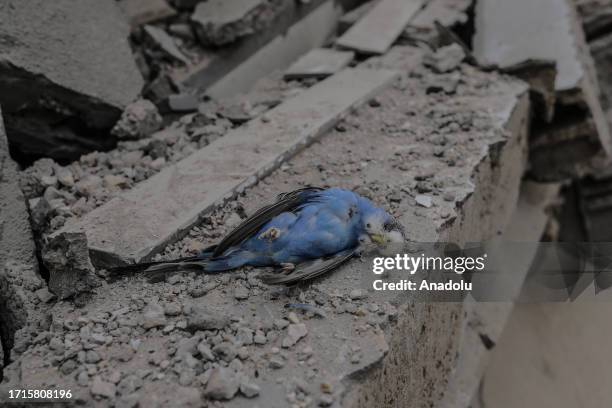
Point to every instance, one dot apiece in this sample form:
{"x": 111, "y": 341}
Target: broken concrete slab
{"x": 124, "y": 231}
{"x": 319, "y": 63}
{"x": 141, "y": 12}
{"x": 233, "y": 70}
{"x": 348, "y": 19}
{"x": 60, "y": 93}
{"x": 220, "y": 22}
{"x": 601, "y": 49}
{"x": 548, "y": 30}
{"x": 166, "y": 43}
{"x": 20, "y": 317}
{"x": 380, "y": 27}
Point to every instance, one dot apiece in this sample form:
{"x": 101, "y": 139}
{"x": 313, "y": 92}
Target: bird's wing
{"x": 285, "y": 202}
{"x": 309, "y": 270}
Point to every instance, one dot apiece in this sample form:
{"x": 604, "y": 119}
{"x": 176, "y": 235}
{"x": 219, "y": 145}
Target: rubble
{"x": 59, "y": 93}
{"x": 139, "y": 120}
{"x": 350, "y": 18}
{"x": 131, "y": 232}
{"x": 222, "y": 385}
{"x": 448, "y": 13}
{"x": 499, "y": 40}
{"x": 319, "y": 63}
{"x": 380, "y": 27}
{"x": 221, "y": 22}
{"x": 141, "y": 12}
{"x": 166, "y": 43}
{"x": 68, "y": 258}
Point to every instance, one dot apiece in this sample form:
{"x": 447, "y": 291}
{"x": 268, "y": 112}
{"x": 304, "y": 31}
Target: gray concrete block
{"x": 350, "y": 18}
{"x": 220, "y": 22}
{"x": 137, "y": 224}
{"x": 380, "y": 27}
{"x": 234, "y": 70}
{"x": 64, "y": 62}
{"x": 319, "y": 63}
{"x": 141, "y": 12}
{"x": 20, "y": 317}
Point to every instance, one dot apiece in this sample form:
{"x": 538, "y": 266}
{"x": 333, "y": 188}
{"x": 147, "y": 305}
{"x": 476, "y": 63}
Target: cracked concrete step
{"x": 508, "y": 33}
{"x": 319, "y": 63}
{"x": 380, "y": 27}
{"x": 137, "y": 224}
{"x": 66, "y": 74}
{"x": 20, "y": 316}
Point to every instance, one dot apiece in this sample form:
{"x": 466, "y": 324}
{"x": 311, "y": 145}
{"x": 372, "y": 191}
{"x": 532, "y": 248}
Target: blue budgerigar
{"x": 305, "y": 233}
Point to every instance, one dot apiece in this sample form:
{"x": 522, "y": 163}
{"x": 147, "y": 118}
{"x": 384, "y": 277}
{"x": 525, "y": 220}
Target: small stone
{"x": 173, "y": 309}
{"x": 357, "y": 294}
{"x": 222, "y": 384}
{"x": 205, "y": 351}
{"x": 139, "y": 119}
{"x": 445, "y": 59}
{"x": 183, "y": 102}
{"x": 448, "y": 196}
{"x": 277, "y": 362}
{"x": 292, "y": 317}
{"x": 201, "y": 318}
{"x": 83, "y": 379}
{"x": 153, "y": 316}
{"x": 249, "y": 389}
{"x": 294, "y": 333}
{"x": 103, "y": 388}
{"x": 423, "y": 200}
{"x": 226, "y": 351}
{"x": 65, "y": 177}
{"x": 241, "y": 292}
{"x": 92, "y": 357}
{"x": 260, "y": 337}
{"x": 244, "y": 336}
{"x": 44, "y": 295}
{"x": 280, "y": 324}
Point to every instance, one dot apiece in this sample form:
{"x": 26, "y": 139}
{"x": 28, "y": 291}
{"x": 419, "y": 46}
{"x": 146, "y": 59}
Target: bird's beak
{"x": 377, "y": 239}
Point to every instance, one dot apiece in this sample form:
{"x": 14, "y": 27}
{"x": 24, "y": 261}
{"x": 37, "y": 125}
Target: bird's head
{"x": 382, "y": 229}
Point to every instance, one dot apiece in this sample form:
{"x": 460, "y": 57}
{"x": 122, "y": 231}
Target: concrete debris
{"x": 103, "y": 388}
{"x": 249, "y": 389}
{"x": 294, "y": 333}
{"x": 139, "y": 120}
{"x": 380, "y": 27}
{"x": 70, "y": 269}
{"x": 183, "y": 102}
{"x": 220, "y": 22}
{"x": 124, "y": 231}
{"x": 348, "y": 19}
{"x": 222, "y": 384}
{"x": 445, "y": 59}
{"x": 166, "y": 43}
{"x": 202, "y": 318}
{"x": 319, "y": 63}
{"x": 52, "y": 106}
{"x": 448, "y": 13}
{"x": 141, "y": 12}
{"x": 423, "y": 200}
{"x": 153, "y": 316}
{"x": 549, "y": 30}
